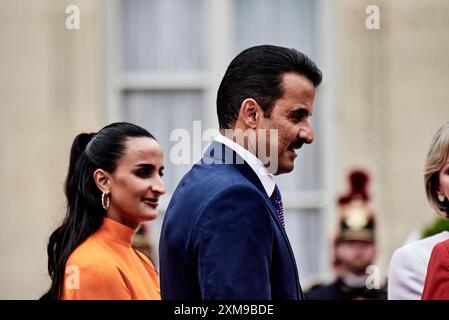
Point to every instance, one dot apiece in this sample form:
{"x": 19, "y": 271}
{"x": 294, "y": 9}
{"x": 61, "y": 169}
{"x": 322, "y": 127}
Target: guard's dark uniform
{"x": 356, "y": 224}
{"x": 338, "y": 290}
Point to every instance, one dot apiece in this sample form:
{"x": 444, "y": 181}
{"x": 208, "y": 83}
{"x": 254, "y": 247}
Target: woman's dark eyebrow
{"x": 148, "y": 166}
{"x": 145, "y": 165}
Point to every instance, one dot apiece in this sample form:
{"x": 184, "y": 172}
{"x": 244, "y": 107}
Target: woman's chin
{"x": 150, "y": 214}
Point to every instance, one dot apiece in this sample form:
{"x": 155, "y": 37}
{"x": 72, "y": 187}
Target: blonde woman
{"x": 409, "y": 263}
{"x": 436, "y": 286}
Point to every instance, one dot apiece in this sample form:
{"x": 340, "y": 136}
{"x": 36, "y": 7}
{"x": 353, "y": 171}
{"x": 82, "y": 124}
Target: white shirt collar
{"x": 265, "y": 177}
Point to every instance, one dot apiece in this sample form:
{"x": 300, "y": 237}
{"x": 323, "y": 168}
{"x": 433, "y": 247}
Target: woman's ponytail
{"x": 84, "y": 214}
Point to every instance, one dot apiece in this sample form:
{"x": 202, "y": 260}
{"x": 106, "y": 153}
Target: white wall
{"x": 50, "y": 89}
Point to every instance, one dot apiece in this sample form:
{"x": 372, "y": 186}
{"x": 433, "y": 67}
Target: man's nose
{"x": 306, "y": 132}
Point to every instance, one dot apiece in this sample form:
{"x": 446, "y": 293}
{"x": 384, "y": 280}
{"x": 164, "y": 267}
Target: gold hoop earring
{"x": 105, "y": 200}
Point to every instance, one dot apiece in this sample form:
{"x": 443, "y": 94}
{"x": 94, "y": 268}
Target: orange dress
{"x": 105, "y": 266}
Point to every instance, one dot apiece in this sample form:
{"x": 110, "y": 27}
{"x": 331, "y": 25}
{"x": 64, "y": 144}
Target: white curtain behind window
{"x": 162, "y": 35}
{"x": 161, "y": 112}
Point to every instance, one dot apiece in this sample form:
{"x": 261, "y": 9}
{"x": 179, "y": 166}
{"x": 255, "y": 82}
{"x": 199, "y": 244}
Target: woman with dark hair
{"x": 113, "y": 184}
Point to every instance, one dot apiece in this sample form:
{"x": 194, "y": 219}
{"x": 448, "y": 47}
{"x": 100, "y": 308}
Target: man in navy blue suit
{"x": 223, "y": 235}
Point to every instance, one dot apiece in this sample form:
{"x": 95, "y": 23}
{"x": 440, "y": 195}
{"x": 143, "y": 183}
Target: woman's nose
{"x": 159, "y": 186}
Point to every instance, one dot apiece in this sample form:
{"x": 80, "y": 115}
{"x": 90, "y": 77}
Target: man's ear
{"x": 250, "y": 113}
{"x": 102, "y": 180}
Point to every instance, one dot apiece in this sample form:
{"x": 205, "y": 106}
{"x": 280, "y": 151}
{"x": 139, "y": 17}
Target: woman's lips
{"x": 151, "y": 202}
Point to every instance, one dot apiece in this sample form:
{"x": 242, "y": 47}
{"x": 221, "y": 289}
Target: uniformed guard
{"x": 354, "y": 249}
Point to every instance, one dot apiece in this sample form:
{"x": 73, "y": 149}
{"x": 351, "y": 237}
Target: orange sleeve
{"x": 94, "y": 283}
{"x": 436, "y": 286}
{"x": 150, "y": 268}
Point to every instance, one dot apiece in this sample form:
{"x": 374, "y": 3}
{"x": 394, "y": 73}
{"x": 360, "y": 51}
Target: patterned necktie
{"x": 276, "y": 199}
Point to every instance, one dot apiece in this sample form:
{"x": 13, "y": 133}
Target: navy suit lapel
{"x": 220, "y": 153}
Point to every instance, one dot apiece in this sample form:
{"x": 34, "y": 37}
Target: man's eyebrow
{"x": 299, "y": 112}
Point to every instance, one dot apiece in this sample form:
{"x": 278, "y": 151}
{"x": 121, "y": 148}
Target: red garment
{"x": 436, "y": 286}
